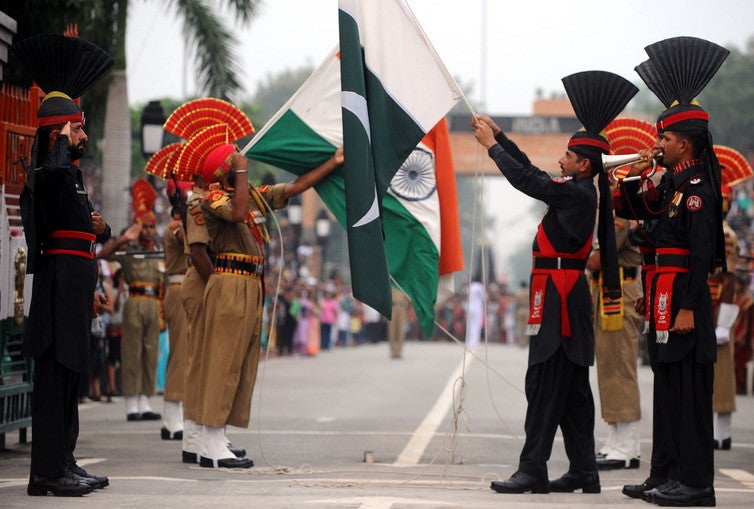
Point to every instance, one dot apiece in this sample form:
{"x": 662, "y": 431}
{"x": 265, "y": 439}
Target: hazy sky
{"x": 531, "y": 44}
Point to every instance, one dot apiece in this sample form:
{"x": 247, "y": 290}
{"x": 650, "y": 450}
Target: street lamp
{"x": 295, "y": 211}
{"x": 322, "y": 226}
{"x": 152, "y": 134}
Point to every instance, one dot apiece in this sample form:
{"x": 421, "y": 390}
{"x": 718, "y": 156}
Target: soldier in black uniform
{"x": 688, "y": 234}
{"x": 560, "y": 321}
{"x": 61, "y": 231}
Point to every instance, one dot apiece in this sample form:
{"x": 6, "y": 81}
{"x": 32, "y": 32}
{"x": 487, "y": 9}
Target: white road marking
{"x": 416, "y": 446}
{"x": 742, "y": 476}
{"x": 379, "y": 502}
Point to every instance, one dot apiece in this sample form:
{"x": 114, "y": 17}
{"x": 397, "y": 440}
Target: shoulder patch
{"x": 694, "y": 203}
{"x": 216, "y": 198}
{"x": 196, "y": 213}
{"x": 695, "y": 181}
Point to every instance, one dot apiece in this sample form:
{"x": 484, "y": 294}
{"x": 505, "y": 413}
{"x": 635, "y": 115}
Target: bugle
{"x": 613, "y": 162}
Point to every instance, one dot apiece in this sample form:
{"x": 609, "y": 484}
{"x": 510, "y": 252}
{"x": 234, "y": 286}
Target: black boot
{"x": 95, "y": 481}
{"x": 65, "y": 486}
{"x": 681, "y": 495}
{"x": 637, "y": 490}
{"x": 521, "y": 483}
{"x": 587, "y": 482}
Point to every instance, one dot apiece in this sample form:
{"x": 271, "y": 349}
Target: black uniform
{"x": 557, "y": 380}
{"x": 57, "y": 331}
{"x": 684, "y": 366}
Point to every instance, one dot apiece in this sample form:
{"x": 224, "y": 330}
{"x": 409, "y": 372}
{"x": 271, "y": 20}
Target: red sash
{"x": 662, "y": 305}
{"x": 648, "y": 272}
{"x": 564, "y": 280}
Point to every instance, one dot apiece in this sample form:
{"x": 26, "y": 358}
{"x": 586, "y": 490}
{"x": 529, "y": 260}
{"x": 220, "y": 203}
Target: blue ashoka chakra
{"x": 415, "y": 179}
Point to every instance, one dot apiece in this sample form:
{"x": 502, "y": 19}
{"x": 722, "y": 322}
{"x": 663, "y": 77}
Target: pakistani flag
{"x": 394, "y": 90}
{"x": 403, "y": 184}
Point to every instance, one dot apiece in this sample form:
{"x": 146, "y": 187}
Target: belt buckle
{"x": 259, "y": 269}
{"x": 149, "y": 291}
{"x": 657, "y": 260}
{"x": 559, "y": 262}
{"x": 92, "y": 247}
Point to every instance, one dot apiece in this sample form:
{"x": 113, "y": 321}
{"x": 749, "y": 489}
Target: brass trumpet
{"x": 613, "y": 162}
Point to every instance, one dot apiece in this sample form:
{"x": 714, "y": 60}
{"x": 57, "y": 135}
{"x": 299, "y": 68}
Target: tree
{"x": 726, "y": 99}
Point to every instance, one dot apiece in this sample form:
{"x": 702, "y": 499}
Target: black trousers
{"x": 682, "y": 423}
{"x": 558, "y": 394}
{"x": 54, "y": 416}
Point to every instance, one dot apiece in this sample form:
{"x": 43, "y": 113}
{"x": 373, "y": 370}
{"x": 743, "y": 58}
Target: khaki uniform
{"x": 617, "y": 351}
{"x": 233, "y": 303}
{"x": 141, "y": 320}
{"x": 192, "y": 294}
{"x": 397, "y": 324}
{"x": 175, "y": 315}
{"x": 724, "y": 388}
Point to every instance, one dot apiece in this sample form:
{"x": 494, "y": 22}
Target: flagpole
{"x": 483, "y": 57}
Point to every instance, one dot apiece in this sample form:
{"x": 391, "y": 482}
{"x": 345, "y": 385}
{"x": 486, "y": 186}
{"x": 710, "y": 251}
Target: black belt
{"x": 143, "y": 291}
{"x": 246, "y": 266}
{"x": 70, "y": 242}
{"x": 559, "y": 263}
{"x": 672, "y": 260}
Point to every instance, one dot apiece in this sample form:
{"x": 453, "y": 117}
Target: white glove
{"x": 722, "y": 334}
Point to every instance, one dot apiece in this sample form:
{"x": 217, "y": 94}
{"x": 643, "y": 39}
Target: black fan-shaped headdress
{"x": 597, "y": 98}
{"x": 688, "y": 63}
{"x": 64, "y": 68}
{"x": 655, "y": 83}
{"x": 685, "y": 65}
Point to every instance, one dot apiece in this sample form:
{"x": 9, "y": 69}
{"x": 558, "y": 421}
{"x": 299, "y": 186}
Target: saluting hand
{"x": 132, "y": 233}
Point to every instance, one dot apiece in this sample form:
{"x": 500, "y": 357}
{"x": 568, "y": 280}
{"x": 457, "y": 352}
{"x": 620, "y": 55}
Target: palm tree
{"x": 104, "y": 22}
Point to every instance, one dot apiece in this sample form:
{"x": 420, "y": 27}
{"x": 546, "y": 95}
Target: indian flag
{"x": 398, "y": 179}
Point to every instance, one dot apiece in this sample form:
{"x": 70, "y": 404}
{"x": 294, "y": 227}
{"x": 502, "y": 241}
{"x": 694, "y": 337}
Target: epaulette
{"x": 255, "y": 194}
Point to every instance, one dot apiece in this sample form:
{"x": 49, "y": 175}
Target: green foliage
{"x": 727, "y": 99}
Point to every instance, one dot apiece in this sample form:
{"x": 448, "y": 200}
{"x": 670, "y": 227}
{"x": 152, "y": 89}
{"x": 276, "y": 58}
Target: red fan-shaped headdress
{"x": 192, "y": 116}
{"x": 734, "y": 166}
{"x": 207, "y": 124}
{"x": 164, "y": 163}
{"x": 629, "y": 135}
{"x": 143, "y": 197}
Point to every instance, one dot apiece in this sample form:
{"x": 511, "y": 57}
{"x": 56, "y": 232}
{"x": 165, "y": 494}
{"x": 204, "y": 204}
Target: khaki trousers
{"x": 617, "y": 355}
{"x": 232, "y": 332}
{"x": 177, "y": 324}
{"x": 192, "y": 295}
{"x": 139, "y": 345}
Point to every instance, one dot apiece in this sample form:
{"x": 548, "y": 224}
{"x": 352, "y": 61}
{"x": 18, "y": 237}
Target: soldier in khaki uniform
{"x": 722, "y": 288}
{"x": 176, "y": 263}
{"x": 617, "y": 355}
{"x": 192, "y": 293}
{"x": 397, "y": 324}
{"x": 143, "y": 270}
{"x": 234, "y": 215}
